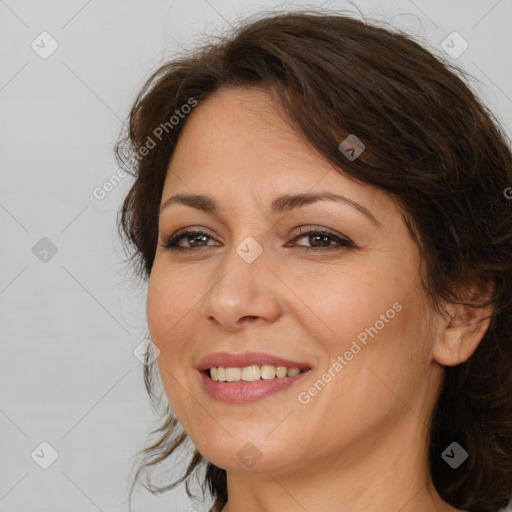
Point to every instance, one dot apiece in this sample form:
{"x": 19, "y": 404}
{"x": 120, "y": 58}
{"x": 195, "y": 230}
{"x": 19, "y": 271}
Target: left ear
{"x": 464, "y": 327}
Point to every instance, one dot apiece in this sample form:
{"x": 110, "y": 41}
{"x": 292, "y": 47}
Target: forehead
{"x": 242, "y": 124}
{"x": 238, "y": 143}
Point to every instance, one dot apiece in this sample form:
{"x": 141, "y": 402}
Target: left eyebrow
{"x": 280, "y": 204}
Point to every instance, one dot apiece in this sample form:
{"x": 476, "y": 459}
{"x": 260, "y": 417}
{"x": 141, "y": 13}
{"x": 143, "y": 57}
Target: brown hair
{"x": 429, "y": 142}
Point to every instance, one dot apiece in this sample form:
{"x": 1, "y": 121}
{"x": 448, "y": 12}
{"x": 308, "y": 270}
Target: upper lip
{"x": 232, "y": 360}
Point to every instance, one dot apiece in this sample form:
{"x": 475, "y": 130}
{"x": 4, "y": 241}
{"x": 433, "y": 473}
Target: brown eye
{"x": 194, "y": 239}
{"x": 323, "y": 239}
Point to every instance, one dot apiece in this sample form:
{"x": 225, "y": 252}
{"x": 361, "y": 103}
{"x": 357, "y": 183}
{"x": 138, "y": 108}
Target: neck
{"x": 368, "y": 476}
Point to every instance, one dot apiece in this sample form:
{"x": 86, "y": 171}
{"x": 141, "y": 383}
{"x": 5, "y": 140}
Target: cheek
{"x": 372, "y": 315}
{"x": 168, "y": 328}
{"x": 169, "y": 298}
{"x": 341, "y": 304}
{"x": 167, "y": 322}
{"x": 157, "y": 304}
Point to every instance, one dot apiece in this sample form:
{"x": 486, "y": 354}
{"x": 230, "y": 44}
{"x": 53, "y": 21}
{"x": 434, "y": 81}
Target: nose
{"x": 242, "y": 293}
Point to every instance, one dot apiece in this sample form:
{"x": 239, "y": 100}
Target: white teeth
{"x": 233, "y": 374}
{"x": 281, "y": 371}
{"x": 251, "y": 373}
{"x": 268, "y": 371}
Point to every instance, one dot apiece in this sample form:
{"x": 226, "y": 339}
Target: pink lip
{"x": 243, "y": 392}
{"x": 231, "y": 360}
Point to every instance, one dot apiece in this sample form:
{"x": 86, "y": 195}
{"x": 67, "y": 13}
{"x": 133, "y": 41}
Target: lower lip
{"x": 243, "y": 392}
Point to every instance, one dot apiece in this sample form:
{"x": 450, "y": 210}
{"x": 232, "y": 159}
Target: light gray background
{"x": 69, "y": 325}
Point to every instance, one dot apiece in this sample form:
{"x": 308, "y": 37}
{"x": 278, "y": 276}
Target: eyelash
{"x": 172, "y": 242}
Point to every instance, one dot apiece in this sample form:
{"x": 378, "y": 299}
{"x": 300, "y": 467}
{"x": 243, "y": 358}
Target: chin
{"x": 254, "y": 456}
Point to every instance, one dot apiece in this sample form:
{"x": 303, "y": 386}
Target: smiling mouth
{"x": 252, "y": 373}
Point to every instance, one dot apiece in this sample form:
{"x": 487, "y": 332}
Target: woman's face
{"x": 274, "y": 275}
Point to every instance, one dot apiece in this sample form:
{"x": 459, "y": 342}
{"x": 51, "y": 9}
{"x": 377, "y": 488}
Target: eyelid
{"x": 309, "y": 228}
{"x": 193, "y": 229}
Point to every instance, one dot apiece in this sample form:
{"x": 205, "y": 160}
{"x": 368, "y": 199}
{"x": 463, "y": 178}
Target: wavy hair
{"x": 430, "y": 143}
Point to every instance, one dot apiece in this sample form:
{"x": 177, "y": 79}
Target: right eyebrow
{"x": 198, "y": 201}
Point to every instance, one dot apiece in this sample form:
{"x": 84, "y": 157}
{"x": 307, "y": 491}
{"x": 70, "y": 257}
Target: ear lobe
{"x": 463, "y": 331}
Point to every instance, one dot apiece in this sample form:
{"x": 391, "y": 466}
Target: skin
{"x": 360, "y": 443}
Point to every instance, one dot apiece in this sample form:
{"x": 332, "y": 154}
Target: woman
{"x": 319, "y": 210}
